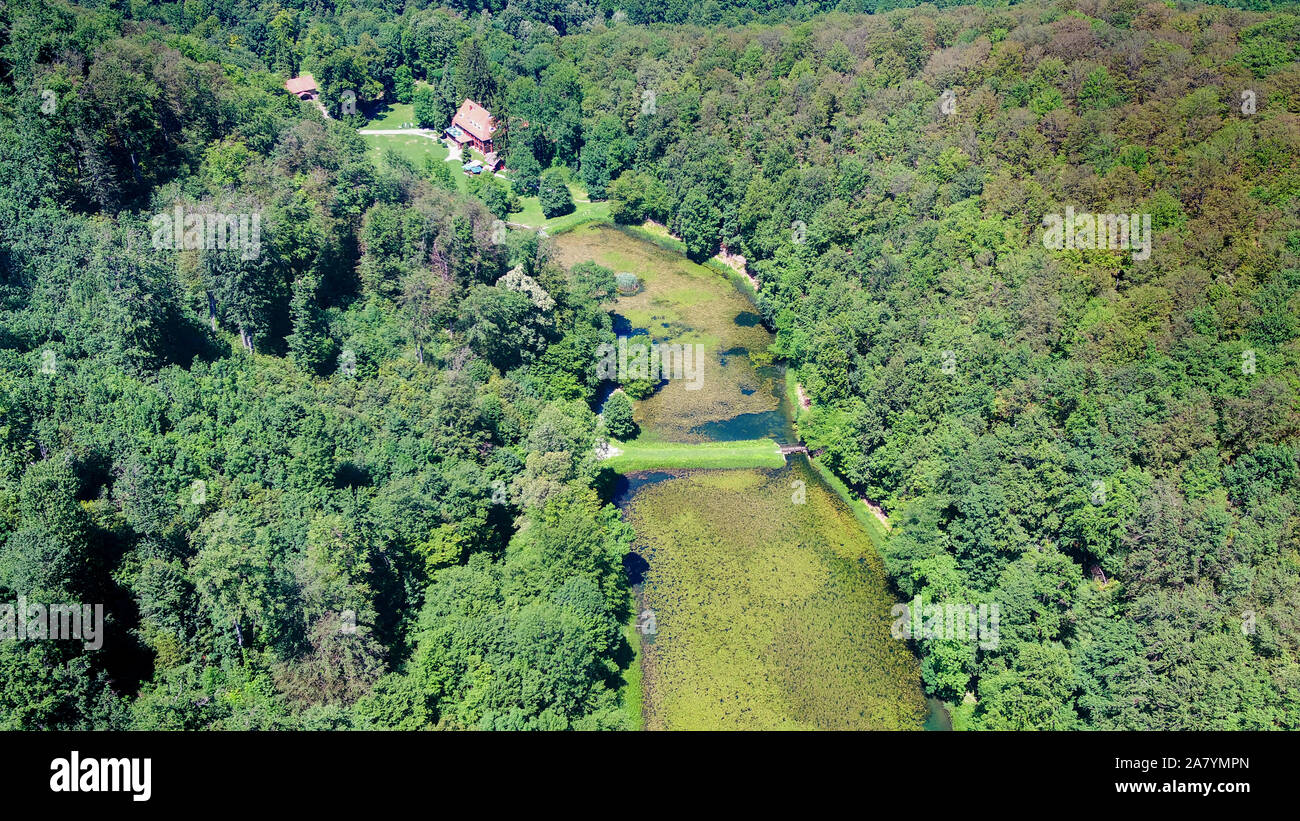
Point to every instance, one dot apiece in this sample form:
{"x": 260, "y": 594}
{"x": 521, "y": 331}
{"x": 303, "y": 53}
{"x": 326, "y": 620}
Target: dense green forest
{"x": 389, "y": 412}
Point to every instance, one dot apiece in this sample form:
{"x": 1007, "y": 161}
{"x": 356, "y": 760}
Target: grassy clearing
{"x": 393, "y": 115}
{"x": 772, "y": 613}
{"x": 415, "y": 148}
{"x": 753, "y": 453}
{"x": 532, "y": 216}
{"x": 630, "y": 692}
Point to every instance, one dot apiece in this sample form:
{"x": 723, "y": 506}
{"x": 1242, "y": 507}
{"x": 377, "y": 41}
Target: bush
{"x": 628, "y": 283}
{"x": 438, "y": 172}
{"x": 640, "y": 388}
{"x": 618, "y": 416}
{"x": 492, "y": 194}
{"x": 554, "y": 194}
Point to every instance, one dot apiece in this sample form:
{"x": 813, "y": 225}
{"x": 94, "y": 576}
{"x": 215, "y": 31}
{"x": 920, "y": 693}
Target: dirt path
{"x": 738, "y": 264}
{"x": 804, "y": 401}
{"x": 879, "y": 514}
{"x": 419, "y": 132}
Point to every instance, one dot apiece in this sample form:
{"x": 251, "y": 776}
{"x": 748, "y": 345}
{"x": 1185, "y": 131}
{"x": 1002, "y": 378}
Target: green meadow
{"x": 584, "y": 211}
{"x": 637, "y": 455}
{"x": 392, "y": 115}
{"x": 413, "y": 147}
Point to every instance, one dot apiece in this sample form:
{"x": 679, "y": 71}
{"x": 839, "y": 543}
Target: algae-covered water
{"x": 771, "y": 605}
{"x": 685, "y": 303}
{"x": 772, "y": 608}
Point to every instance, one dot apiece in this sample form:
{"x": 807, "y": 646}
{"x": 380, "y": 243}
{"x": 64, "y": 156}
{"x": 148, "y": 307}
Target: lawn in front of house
{"x": 392, "y": 115}
{"x": 415, "y": 148}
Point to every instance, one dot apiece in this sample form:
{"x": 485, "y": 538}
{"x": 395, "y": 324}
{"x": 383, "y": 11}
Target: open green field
{"x": 681, "y": 302}
{"x": 392, "y": 115}
{"x": 772, "y": 606}
{"x": 415, "y": 147}
{"x": 753, "y": 453}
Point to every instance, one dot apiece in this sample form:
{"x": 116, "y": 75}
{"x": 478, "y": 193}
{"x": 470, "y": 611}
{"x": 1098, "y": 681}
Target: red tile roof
{"x": 474, "y": 119}
{"x": 300, "y": 84}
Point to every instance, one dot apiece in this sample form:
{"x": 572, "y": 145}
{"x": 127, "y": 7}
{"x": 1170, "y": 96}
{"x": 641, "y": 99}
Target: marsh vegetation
{"x": 680, "y": 302}
{"x": 772, "y": 614}
{"x": 771, "y": 602}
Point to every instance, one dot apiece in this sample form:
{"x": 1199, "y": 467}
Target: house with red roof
{"x": 473, "y": 125}
{"x": 303, "y": 87}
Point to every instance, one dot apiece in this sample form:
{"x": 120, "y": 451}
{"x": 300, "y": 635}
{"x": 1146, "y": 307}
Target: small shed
{"x": 303, "y": 87}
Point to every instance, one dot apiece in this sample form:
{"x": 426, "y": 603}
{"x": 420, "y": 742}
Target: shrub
{"x": 554, "y": 194}
{"x": 618, "y": 416}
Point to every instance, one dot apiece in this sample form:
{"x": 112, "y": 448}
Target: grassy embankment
{"x": 750, "y": 453}
{"x": 630, "y": 693}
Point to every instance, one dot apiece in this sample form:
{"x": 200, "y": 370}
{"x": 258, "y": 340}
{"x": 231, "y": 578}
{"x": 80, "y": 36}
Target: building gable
{"x": 474, "y": 120}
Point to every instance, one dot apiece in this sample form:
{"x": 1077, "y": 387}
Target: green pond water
{"x": 772, "y": 607}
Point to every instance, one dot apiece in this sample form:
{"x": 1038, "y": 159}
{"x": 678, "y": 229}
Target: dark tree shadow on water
{"x": 636, "y": 567}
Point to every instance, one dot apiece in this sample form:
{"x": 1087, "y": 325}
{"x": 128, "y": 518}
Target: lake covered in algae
{"x": 684, "y": 303}
{"x": 771, "y": 605}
